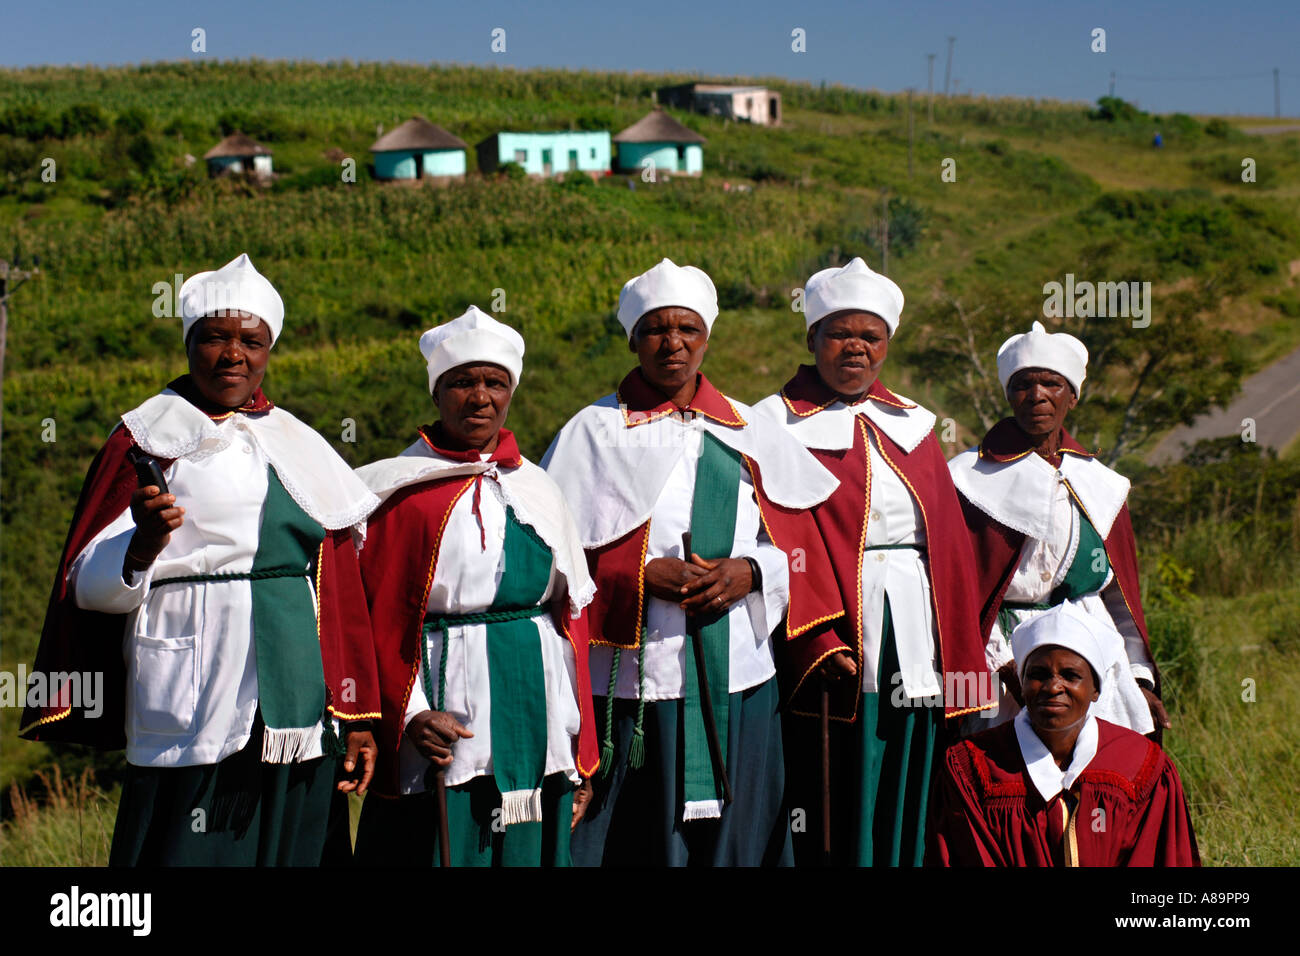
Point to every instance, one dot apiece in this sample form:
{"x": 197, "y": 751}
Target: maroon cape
{"x": 1131, "y": 808}
{"x": 842, "y": 523}
{"x": 997, "y": 547}
{"x": 618, "y": 568}
{"x": 397, "y": 568}
{"x": 76, "y": 640}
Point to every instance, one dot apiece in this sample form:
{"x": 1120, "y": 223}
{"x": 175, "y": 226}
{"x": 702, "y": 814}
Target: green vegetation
{"x": 1042, "y": 189}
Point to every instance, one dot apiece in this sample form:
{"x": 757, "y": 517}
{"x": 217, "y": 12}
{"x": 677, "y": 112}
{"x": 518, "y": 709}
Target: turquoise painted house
{"x": 237, "y": 155}
{"x": 419, "y": 149}
{"x": 547, "y": 154}
{"x": 660, "y": 140}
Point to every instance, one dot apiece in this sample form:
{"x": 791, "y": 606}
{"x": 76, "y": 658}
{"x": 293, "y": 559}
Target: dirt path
{"x": 1271, "y": 397}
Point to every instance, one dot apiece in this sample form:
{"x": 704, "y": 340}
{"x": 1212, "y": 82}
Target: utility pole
{"x": 1112, "y": 83}
{"x": 909, "y": 132}
{"x": 930, "y": 85}
{"x": 884, "y": 231}
{"x": 1277, "y": 97}
{"x": 947, "y": 72}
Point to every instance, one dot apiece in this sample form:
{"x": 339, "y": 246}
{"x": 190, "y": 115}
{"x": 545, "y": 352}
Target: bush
{"x": 27, "y": 122}
{"x": 143, "y": 152}
{"x": 1112, "y": 109}
{"x": 1219, "y": 127}
{"x": 576, "y": 179}
{"x": 512, "y": 170}
{"x": 131, "y": 121}
{"x": 82, "y": 119}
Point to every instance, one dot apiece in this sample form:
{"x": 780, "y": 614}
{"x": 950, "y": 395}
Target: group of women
{"x": 647, "y": 651}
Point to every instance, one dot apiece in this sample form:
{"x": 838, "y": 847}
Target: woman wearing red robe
{"x": 907, "y": 658}
{"x": 1049, "y": 523}
{"x": 1057, "y": 786}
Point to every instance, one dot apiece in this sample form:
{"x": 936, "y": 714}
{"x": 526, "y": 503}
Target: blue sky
{"x": 1196, "y": 56}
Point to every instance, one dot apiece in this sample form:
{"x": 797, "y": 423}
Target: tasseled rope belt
{"x": 441, "y": 622}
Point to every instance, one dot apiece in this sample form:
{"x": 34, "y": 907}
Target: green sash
{"x": 713, "y": 532}
{"x": 516, "y": 677}
{"x": 1088, "y": 572}
{"x": 290, "y": 676}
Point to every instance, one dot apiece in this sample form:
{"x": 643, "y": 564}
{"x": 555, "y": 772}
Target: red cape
{"x": 618, "y": 568}
{"x": 842, "y": 522}
{"x": 1131, "y": 812}
{"x": 397, "y": 569}
{"x": 76, "y": 640}
{"x": 998, "y": 547}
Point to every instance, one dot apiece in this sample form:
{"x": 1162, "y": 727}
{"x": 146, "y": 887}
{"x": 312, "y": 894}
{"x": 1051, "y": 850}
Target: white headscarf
{"x": 1058, "y": 352}
{"x": 1062, "y": 626}
{"x": 236, "y": 286}
{"x": 854, "y": 287}
{"x": 668, "y": 284}
{"x": 472, "y": 337}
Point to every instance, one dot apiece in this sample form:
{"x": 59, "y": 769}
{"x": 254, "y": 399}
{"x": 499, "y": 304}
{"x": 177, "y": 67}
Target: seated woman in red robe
{"x": 1057, "y": 786}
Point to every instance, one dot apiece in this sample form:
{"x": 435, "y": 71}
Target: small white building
{"x": 238, "y": 154}
{"x": 752, "y": 104}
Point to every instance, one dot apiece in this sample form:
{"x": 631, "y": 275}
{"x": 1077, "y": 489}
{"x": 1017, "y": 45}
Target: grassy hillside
{"x": 1042, "y": 189}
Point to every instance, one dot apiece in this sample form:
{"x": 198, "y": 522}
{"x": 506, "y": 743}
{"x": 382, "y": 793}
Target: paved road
{"x": 1271, "y": 397}
{"x": 1269, "y": 130}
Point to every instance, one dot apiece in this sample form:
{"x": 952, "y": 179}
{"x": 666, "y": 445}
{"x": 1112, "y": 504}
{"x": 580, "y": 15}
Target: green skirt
{"x": 404, "y": 831}
{"x": 238, "y": 812}
{"x": 635, "y": 816}
{"x": 882, "y": 768}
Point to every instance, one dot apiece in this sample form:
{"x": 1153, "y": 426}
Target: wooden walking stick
{"x": 440, "y": 796}
{"x": 706, "y": 698}
{"x": 826, "y": 771}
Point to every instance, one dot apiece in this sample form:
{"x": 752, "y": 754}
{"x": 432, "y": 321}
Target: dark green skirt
{"x": 239, "y": 812}
{"x": 635, "y": 817}
{"x": 882, "y": 768}
{"x": 404, "y": 831}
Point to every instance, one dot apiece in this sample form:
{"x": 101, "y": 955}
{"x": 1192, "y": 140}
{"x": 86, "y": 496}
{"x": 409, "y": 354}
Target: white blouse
{"x": 191, "y": 670}
{"x": 750, "y": 620}
{"x": 468, "y": 574}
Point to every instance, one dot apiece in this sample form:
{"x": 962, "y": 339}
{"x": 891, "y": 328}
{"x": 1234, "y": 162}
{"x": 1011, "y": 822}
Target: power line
{"x": 1193, "y": 79}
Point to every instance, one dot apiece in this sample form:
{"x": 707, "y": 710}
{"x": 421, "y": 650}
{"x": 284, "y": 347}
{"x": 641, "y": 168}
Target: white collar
{"x": 319, "y": 481}
{"x": 611, "y": 474}
{"x": 1048, "y": 778}
{"x": 832, "y": 428}
{"x": 1019, "y": 493}
{"x": 527, "y": 489}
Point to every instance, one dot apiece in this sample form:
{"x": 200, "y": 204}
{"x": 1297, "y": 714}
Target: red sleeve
{"x": 997, "y": 552}
{"x": 1162, "y": 833}
{"x": 796, "y": 661}
{"x": 575, "y": 629}
{"x": 347, "y": 647}
{"x": 958, "y": 834}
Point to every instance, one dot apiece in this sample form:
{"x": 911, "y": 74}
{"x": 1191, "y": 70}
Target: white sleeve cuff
{"x": 767, "y": 605}
{"x": 997, "y": 651}
{"x": 95, "y": 578}
{"x": 1142, "y": 672}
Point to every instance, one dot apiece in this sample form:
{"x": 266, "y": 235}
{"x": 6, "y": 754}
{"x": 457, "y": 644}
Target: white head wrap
{"x": 1059, "y": 352}
{"x": 472, "y": 337}
{"x": 854, "y": 287}
{"x": 236, "y": 286}
{"x": 1062, "y": 626}
{"x": 668, "y": 284}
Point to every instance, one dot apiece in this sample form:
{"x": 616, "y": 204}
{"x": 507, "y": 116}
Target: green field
{"x": 1041, "y": 190}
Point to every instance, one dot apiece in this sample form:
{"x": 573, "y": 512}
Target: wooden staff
{"x": 706, "y": 698}
{"x": 439, "y": 782}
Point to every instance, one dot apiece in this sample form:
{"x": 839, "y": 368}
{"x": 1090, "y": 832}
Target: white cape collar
{"x": 319, "y": 481}
{"x": 527, "y": 489}
{"x": 611, "y": 473}
{"x": 832, "y": 427}
{"x": 1047, "y": 777}
{"x": 1019, "y": 493}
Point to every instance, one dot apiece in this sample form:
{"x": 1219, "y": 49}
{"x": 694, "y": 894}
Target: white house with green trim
{"x": 659, "y": 141}
{"x": 237, "y": 154}
{"x": 547, "y": 154}
{"x": 419, "y": 149}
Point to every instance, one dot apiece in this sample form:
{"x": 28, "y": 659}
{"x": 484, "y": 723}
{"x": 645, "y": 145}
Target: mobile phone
{"x": 147, "y": 471}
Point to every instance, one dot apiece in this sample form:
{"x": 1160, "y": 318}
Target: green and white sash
{"x": 713, "y": 532}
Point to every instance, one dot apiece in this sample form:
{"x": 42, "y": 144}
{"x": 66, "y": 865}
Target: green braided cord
{"x": 330, "y": 744}
{"x": 441, "y": 622}
{"x": 607, "y": 748}
{"x": 636, "y": 751}
{"x": 894, "y": 547}
{"x": 442, "y": 669}
{"x": 260, "y": 575}
{"x": 424, "y": 662}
